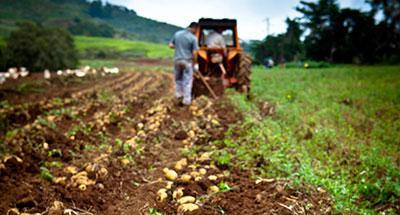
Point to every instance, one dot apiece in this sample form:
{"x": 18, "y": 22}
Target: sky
{"x": 251, "y": 14}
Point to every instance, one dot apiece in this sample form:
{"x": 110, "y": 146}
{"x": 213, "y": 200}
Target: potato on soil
{"x": 162, "y": 195}
{"x": 56, "y": 208}
{"x": 181, "y": 164}
{"x": 205, "y": 156}
{"x": 186, "y": 199}
{"x": 202, "y": 171}
{"x": 213, "y": 189}
{"x": 186, "y": 178}
{"x": 71, "y": 170}
{"x": 195, "y": 174}
{"x": 103, "y": 172}
{"x": 187, "y": 208}
{"x": 170, "y": 174}
{"x": 169, "y": 185}
{"x": 212, "y": 178}
{"x": 60, "y": 180}
{"x": 178, "y": 193}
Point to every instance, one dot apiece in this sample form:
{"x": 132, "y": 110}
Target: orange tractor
{"x": 221, "y": 67}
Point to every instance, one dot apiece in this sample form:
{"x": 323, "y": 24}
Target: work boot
{"x": 186, "y": 102}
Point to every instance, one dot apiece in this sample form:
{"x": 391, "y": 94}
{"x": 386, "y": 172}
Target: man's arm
{"x": 195, "y": 48}
{"x": 172, "y": 42}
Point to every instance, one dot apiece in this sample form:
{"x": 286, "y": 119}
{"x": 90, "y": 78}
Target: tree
{"x": 97, "y": 9}
{"x": 388, "y": 30}
{"x": 38, "y": 48}
{"x": 318, "y": 18}
{"x": 281, "y": 48}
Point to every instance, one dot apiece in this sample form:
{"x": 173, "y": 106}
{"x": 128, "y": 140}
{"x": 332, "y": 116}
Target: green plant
{"x": 54, "y": 153}
{"x": 39, "y": 48}
{"x": 223, "y": 158}
{"x": 223, "y": 186}
{"x": 46, "y": 122}
{"x": 154, "y": 211}
{"x": 46, "y": 174}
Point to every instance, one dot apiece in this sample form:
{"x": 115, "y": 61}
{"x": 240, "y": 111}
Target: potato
{"x": 71, "y": 169}
{"x": 187, "y": 208}
{"x": 56, "y": 208}
{"x": 186, "y": 178}
{"x": 215, "y": 122}
{"x": 169, "y": 185}
{"x": 202, "y": 171}
{"x": 191, "y": 134}
{"x": 82, "y": 187}
{"x": 125, "y": 161}
{"x": 213, "y": 189}
{"x": 103, "y": 172}
{"x": 194, "y": 174}
{"x": 186, "y": 199}
{"x": 181, "y": 164}
{"x": 178, "y": 193}
{"x": 170, "y": 174}
{"x": 205, "y": 156}
{"x": 212, "y": 178}
{"x": 60, "y": 180}
{"x": 162, "y": 195}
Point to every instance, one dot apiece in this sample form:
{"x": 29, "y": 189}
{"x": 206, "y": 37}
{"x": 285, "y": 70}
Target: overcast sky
{"x": 251, "y": 14}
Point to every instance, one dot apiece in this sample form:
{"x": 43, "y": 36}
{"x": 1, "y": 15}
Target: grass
{"x": 97, "y": 63}
{"x": 126, "y": 47}
{"x": 335, "y": 128}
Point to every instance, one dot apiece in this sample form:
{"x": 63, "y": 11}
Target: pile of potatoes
{"x": 155, "y": 116}
{"x": 185, "y": 172}
{"x": 79, "y": 178}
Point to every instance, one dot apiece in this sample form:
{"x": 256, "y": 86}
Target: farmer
{"x": 215, "y": 39}
{"x": 185, "y": 44}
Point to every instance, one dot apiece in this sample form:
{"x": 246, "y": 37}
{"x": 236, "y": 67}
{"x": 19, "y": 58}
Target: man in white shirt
{"x": 215, "y": 39}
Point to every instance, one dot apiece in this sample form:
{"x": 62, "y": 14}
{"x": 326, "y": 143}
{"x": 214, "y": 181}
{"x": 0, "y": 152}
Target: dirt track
{"x": 119, "y": 133}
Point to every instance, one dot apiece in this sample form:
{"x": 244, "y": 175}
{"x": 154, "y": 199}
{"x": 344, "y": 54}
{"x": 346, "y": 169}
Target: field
{"x": 335, "y": 128}
{"x": 95, "y": 46}
{"x": 316, "y": 141}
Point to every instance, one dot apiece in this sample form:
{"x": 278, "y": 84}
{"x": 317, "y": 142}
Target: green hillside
{"x": 81, "y": 17}
{"x": 129, "y": 47}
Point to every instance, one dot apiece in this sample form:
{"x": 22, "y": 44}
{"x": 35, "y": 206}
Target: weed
{"x": 154, "y": 211}
{"x": 224, "y": 187}
{"x": 54, "y": 153}
{"x": 223, "y": 158}
{"x": 46, "y": 174}
{"x": 47, "y": 123}
{"x": 30, "y": 87}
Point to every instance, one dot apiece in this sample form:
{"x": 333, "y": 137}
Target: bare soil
{"x": 99, "y": 146}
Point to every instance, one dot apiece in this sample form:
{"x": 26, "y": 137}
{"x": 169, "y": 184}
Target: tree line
{"x": 326, "y": 32}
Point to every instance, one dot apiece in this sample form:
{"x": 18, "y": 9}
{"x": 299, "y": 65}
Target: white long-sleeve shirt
{"x": 215, "y": 40}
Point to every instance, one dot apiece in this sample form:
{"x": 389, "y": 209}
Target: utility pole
{"x": 268, "y": 24}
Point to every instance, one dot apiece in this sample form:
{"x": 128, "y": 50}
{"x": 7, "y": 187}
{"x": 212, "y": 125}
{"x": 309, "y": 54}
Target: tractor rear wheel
{"x": 244, "y": 73}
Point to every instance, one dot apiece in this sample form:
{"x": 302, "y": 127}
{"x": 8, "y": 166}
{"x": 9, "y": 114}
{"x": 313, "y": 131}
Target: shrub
{"x": 2, "y": 59}
{"x": 38, "y": 48}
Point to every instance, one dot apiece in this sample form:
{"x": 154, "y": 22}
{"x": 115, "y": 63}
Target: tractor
{"x": 221, "y": 68}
